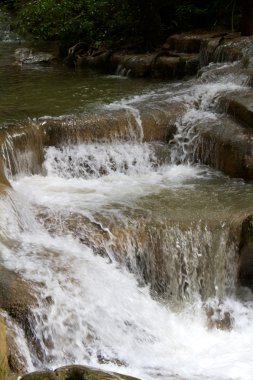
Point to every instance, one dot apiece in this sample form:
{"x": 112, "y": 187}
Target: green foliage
{"x": 139, "y": 23}
{"x": 50, "y": 19}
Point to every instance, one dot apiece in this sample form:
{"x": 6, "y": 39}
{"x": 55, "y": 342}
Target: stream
{"x": 127, "y": 243}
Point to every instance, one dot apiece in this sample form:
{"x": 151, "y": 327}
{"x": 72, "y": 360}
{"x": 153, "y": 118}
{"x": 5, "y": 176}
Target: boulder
{"x": 40, "y": 375}
{"x": 76, "y": 372}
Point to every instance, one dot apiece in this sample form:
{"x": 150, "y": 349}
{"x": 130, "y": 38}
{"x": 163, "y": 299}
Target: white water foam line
{"x": 97, "y": 159}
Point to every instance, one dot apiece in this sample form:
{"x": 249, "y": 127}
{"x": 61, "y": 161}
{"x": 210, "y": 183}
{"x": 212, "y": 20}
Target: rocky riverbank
{"x": 181, "y": 55}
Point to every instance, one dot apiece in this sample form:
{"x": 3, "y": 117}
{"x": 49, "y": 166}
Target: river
{"x": 127, "y": 243}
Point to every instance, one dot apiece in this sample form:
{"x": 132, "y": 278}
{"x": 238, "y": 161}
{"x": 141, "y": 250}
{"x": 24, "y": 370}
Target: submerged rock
{"x": 76, "y": 372}
{"x": 28, "y": 56}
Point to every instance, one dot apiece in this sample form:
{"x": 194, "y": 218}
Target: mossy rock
{"x": 76, "y": 372}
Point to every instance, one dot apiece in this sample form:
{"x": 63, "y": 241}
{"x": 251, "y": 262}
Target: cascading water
{"x": 131, "y": 250}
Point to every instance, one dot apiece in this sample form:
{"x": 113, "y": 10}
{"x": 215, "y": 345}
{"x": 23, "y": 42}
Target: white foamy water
{"x": 80, "y": 195}
{"x": 92, "y": 310}
{"x": 202, "y": 101}
{"x": 95, "y": 160}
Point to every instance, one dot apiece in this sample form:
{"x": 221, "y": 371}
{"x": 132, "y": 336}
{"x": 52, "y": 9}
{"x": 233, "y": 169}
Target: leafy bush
{"x": 139, "y": 23}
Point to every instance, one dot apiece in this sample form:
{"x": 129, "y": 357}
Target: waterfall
{"x": 128, "y": 245}
{"x": 202, "y": 104}
{"x": 96, "y": 264}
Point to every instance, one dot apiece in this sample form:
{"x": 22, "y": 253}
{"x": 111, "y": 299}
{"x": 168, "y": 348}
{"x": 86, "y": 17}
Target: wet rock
{"x": 218, "y": 318}
{"x": 28, "y": 56}
{"x": 40, "y": 375}
{"x": 3, "y": 180}
{"x": 152, "y": 246}
{"x": 75, "y": 51}
{"x": 240, "y": 107}
{"x": 181, "y": 55}
{"x": 4, "y": 367}
{"x": 159, "y": 65}
{"x": 174, "y": 66}
{"x": 17, "y": 299}
{"x": 227, "y": 48}
{"x": 21, "y": 146}
{"x": 188, "y": 42}
{"x": 225, "y": 145}
{"x": 87, "y": 373}
{"x": 88, "y": 232}
{"x": 7, "y": 372}
{"x": 16, "y": 296}
{"x": 218, "y": 50}
{"x": 246, "y": 253}
{"x": 169, "y": 67}
{"x": 16, "y": 360}
{"x": 137, "y": 65}
{"x": 99, "y": 61}
{"x": 157, "y": 124}
{"x": 76, "y": 372}
{"x": 116, "y": 361}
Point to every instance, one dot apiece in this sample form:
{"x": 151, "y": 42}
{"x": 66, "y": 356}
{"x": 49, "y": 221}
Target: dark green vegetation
{"x": 140, "y": 24}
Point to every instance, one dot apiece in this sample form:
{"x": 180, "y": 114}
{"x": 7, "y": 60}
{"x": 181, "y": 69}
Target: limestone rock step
{"x": 226, "y": 145}
{"x": 190, "y": 42}
{"x": 174, "y": 66}
{"x": 159, "y": 65}
{"x": 239, "y": 107}
{"x": 157, "y": 124}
